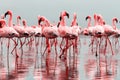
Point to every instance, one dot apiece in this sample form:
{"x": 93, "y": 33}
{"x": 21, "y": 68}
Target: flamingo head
{"x": 104, "y": 23}
{"x": 18, "y": 17}
{"x": 100, "y": 19}
{"x": 24, "y": 22}
{"x": 95, "y": 16}
{"x": 9, "y": 12}
{"x": 64, "y": 13}
{"x": 85, "y": 31}
{"x": 88, "y": 17}
{"x": 41, "y": 19}
{"x": 115, "y": 19}
{"x": 2, "y": 23}
{"x": 75, "y": 15}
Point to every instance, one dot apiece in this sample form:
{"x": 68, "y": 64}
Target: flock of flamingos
{"x": 58, "y": 37}
{"x": 99, "y": 33}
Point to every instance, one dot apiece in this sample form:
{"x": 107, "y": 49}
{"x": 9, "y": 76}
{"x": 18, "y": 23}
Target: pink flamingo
{"x": 30, "y": 31}
{"x": 27, "y": 28}
{"x": 11, "y": 29}
{"x": 76, "y": 30}
{"x": 65, "y": 32}
{"x": 22, "y": 32}
{"x": 50, "y": 32}
{"x": 108, "y": 31}
{"x": 6, "y": 32}
{"x": 38, "y": 33}
{"x": 89, "y": 29}
{"x": 117, "y": 35}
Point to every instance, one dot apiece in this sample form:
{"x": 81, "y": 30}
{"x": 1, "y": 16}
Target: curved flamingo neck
{"x": 89, "y": 22}
{"x": 74, "y": 22}
{"x": 10, "y": 20}
{"x": 62, "y": 22}
{"x": 2, "y": 23}
{"x": 24, "y": 23}
{"x": 113, "y": 24}
{"x": 95, "y": 20}
{"x": 18, "y": 21}
{"x": 38, "y": 17}
{"x": 47, "y": 22}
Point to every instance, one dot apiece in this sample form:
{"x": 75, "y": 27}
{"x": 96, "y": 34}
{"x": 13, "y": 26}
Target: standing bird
{"x": 49, "y": 32}
{"x": 65, "y": 32}
{"x": 108, "y": 31}
{"x": 11, "y": 29}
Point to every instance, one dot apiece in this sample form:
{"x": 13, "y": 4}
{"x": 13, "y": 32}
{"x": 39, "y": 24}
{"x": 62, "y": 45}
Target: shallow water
{"x": 81, "y": 66}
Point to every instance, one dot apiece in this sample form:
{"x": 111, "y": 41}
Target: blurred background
{"x": 30, "y": 9}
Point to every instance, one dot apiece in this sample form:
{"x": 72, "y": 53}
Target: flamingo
{"x": 76, "y": 30}
{"x": 89, "y": 29}
{"x": 50, "y": 32}
{"x": 27, "y": 28}
{"x": 15, "y": 34}
{"x": 38, "y": 33}
{"x": 20, "y": 29}
{"x": 11, "y": 30}
{"x": 117, "y": 35}
{"x": 65, "y": 32}
{"x": 108, "y": 31}
{"x": 31, "y": 32}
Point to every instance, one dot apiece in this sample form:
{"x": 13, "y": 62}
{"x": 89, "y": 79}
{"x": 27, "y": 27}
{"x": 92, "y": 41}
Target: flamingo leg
{"x": 15, "y": 47}
{"x": 56, "y": 46}
{"x": 47, "y": 46}
{"x": 36, "y": 45}
{"x": 41, "y": 44}
{"x": 61, "y": 44}
{"x": 105, "y": 46}
{"x": 110, "y": 46}
{"x": 8, "y": 45}
{"x": 22, "y": 43}
{"x": 65, "y": 48}
{"x": 1, "y": 45}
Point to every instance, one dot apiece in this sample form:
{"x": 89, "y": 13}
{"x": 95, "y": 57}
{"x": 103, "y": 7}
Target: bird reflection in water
{"x": 105, "y": 69}
{"x": 54, "y": 68}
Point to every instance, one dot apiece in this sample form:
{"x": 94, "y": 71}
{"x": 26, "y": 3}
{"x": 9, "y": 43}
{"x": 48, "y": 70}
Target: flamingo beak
{"x": 86, "y": 18}
{"x": 104, "y": 22}
{"x": 6, "y": 14}
{"x": 19, "y": 17}
{"x": 67, "y": 15}
{"x": 60, "y": 18}
{"x": 58, "y": 24}
{"x": 77, "y": 24}
{"x": 0, "y": 25}
{"x": 23, "y": 22}
{"x": 116, "y": 20}
{"x": 40, "y": 20}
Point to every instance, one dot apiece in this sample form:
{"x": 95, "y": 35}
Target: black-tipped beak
{"x": 39, "y": 21}
{"x": 116, "y": 20}
{"x": 23, "y": 22}
{"x": 60, "y": 18}
{"x": 58, "y": 24}
{"x": 86, "y": 18}
{"x": 20, "y": 18}
{"x": 6, "y": 14}
{"x": 67, "y": 15}
{"x": 0, "y": 24}
{"x": 104, "y": 23}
